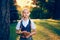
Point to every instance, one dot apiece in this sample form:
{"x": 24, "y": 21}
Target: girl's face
{"x": 25, "y": 13}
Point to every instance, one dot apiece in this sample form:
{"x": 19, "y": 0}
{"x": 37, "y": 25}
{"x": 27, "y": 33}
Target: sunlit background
{"x": 21, "y": 4}
{"x": 42, "y": 13}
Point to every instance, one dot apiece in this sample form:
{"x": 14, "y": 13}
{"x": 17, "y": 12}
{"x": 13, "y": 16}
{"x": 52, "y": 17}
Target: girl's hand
{"x": 17, "y": 31}
{"x": 28, "y": 36}
{"x": 24, "y": 31}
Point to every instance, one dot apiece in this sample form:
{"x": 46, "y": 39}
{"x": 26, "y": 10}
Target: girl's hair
{"x": 24, "y": 10}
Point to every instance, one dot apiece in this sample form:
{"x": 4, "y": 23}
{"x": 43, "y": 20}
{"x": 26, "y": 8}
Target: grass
{"x": 47, "y": 29}
{"x": 13, "y": 31}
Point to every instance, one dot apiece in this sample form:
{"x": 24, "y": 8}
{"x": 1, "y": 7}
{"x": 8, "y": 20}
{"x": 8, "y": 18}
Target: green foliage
{"x": 43, "y": 10}
{"x": 35, "y": 13}
{"x": 13, "y": 12}
{"x": 14, "y": 16}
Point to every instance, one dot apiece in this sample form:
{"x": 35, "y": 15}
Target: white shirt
{"x": 25, "y": 23}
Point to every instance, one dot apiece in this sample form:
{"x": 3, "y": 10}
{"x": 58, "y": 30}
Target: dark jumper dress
{"x": 28, "y": 29}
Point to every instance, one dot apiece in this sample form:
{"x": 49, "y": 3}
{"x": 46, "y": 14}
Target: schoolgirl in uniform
{"x": 26, "y": 26}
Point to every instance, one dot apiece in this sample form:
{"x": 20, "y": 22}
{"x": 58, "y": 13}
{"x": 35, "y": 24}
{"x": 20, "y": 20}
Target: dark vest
{"x": 27, "y": 28}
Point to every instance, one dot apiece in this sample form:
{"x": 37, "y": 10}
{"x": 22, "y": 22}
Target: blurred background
{"x": 44, "y": 13}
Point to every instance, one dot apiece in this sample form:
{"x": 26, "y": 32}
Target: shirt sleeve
{"x": 33, "y": 25}
{"x": 18, "y": 26}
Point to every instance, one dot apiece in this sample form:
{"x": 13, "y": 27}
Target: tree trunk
{"x": 4, "y": 20}
{"x": 57, "y": 9}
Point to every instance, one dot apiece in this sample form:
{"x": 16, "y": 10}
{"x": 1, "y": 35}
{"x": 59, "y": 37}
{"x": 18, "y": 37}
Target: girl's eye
{"x": 27, "y": 12}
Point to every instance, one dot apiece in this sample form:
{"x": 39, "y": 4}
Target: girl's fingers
{"x": 28, "y": 36}
{"x": 24, "y": 31}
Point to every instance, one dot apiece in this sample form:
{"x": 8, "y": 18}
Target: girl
{"x": 26, "y": 28}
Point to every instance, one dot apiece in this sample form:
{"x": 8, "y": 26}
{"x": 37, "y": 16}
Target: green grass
{"x": 50, "y": 27}
{"x": 46, "y": 30}
{"x": 13, "y": 31}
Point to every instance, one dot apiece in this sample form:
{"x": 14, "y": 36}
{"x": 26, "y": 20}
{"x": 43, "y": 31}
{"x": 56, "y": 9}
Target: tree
{"x": 47, "y": 8}
{"x": 13, "y": 12}
{"x": 4, "y": 20}
{"x": 56, "y": 14}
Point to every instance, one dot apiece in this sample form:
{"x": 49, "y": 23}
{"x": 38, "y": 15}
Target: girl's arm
{"x": 32, "y": 33}
{"x": 18, "y": 29}
{"x": 18, "y": 32}
{"x": 33, "y": 27}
